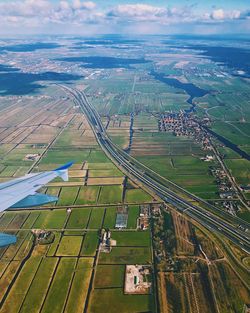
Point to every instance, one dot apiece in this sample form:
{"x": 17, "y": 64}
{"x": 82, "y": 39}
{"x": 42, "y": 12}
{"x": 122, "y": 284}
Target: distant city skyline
{"x": 124, "y": 17}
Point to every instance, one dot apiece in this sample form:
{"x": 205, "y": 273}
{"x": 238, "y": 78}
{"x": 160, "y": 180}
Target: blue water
{"x": 229, "y": 144}
{"x": 104, "y": 62}
{"x": 17, "y": 83}
{"x": 29, "y": 47}
{"x": 7, "y": 68}
{"x": 237, "y": 59}
{"x": 192, "y": 90}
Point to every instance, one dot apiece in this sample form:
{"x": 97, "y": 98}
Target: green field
{"x": 68, "y": 195}
{"x": 137, "y": 196}
{"x": 37, "y": 292}
{"x": 13, "y": 303}
{"x": 113, "y": 300}
{"x": 59, "y": 288}
{"x": 90, "y": 244}
{"x": 79, "y": 218}
{"x": 132, "y": 238}
{"x": 51, "y": 219}
{"x": 126, "y": 255}
{"x": 69, "y": 246}
{"x": 133, "y": 214}
{"x": 109, "y": 276}
{"x": 96, "y": 218}
{"x": 110, "y": 194}
{"x": 79, "y": 288}
{"x": 87, "y": 195}
{"x": 110, "y": 217}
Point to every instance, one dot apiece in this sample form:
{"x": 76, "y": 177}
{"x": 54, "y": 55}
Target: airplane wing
{"x": 21, "y": 193}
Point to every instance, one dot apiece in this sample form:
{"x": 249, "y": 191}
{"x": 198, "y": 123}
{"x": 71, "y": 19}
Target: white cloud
{"x": 47, "y": 14}
{"x": 221, "y": 14}
{"x": 138, "y": 10}
{"x": 89, "y": 5}
{"x": 218, "y": 14}
{"x": 64, "y": 5}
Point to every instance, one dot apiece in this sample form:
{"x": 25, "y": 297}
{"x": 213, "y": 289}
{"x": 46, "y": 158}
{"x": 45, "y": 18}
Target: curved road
{"x": 208, "y": 219}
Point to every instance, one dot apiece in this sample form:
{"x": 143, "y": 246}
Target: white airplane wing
{"x": 21, "y": 193}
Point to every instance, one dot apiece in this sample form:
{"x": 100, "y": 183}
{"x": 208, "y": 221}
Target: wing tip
{"x": 65, "y": 166}
{"x": 6, "y": 239}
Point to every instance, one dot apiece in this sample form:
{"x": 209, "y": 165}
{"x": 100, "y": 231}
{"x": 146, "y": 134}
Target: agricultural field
{"x": 62, "y": 261}
{"x": 68, "y": 260}
{"x": 64, "y": 269}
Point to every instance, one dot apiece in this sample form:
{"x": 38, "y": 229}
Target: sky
{"x": 79, "y": 17}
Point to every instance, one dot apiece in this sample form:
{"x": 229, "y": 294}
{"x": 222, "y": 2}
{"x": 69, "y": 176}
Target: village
{"x": 187, "y": 125}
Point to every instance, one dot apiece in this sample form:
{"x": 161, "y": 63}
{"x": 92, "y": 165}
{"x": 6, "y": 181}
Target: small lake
{"x": 192, "y": 90}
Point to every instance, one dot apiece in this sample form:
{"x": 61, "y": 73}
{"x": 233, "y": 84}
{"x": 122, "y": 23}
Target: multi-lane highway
{"x": 233, "y": 228}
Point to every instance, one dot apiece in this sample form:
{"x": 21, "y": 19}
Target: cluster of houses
{"x": 144, "y": 217}
{"x": 183, "y": 124}
{"x": 226, "y": 191}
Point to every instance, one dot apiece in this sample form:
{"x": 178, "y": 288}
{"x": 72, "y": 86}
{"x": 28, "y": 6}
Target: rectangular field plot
{"x": 87, "y": 195}
{"x": 90, "y": 244}
{"x": 240, "y": 170}
{"x": 80, "y": 285}
{"x": 69, "y": 246}
{"x": 18, "y": 220}
{"x": 110, "y": 217}
{"x": 126, "y": 255}
{"x": 102, "y": 181}
{"x": 8, "y": 276}
{"x": 51, "y": 219}
{"x": 105, "y": 173}
{"x": 30, "y": 220}
{"x": 137, "y": 195}
{"x": 39, "y": 286}
{"x": 131, "y": 238}
{"x": 113, "y": 300}
{"x": 96, "y": 218}
{"x": 109, "y": 276}
{"x": 56, "y": 296}
{"x": 133, "y": 214}
{"x": 97, "y": 157}
{"x": 54, "y": 245}
{"x": 67, "y": 195}
{"x": 19, "y": 289}
{"x": 111, "y": 194}
{"x": 78, "y": 218}
{"x": 5, "y": 219}
{"x": 100, "y": 166}
{"x": 186, "y": 171}
{"x": 60, "y": 156}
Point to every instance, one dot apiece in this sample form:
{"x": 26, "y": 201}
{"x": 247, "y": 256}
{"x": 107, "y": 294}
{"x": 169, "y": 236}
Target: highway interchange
{"x": 233, "y": 228}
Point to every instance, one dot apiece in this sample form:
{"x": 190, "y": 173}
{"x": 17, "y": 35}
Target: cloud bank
{"x": 76, "y": 16}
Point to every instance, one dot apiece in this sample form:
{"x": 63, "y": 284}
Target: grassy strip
{"x": 96, "y": 218}
{"x": 109, "y": 276}
{"x": 126, "y": 255}
{"x": 113, "y": 301}
{"x": 133, "y": 213}
{"x": 133, "y": 238}
{"x": 58, "y": 291}
{"x": 18, "y": 291}
{"x": 69, "y": 246}
{"x": 90, "y": 244}
{"x": 110, "y": 217}
{"x": 80, "y": 285}
{"x": 78, "y": 218}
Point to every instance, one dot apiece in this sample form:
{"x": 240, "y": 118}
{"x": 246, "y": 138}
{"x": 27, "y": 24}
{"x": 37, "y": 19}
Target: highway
{"x": 208, "y": 219}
